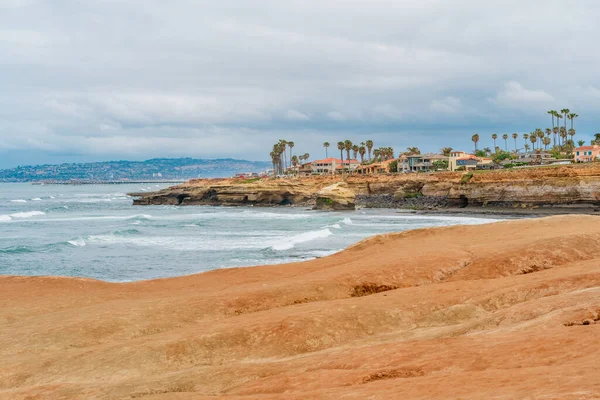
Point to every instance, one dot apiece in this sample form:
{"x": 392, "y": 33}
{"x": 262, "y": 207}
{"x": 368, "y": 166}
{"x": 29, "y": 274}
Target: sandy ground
{"x": 509, "y": 310}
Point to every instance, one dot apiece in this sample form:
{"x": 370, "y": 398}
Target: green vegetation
{"x": 394, "y": 166}
{"x": 466, "y": 177}
{"x": 502, "y": 155}
{"x": 251, "y": 180}
{"x": 440, "y": 165}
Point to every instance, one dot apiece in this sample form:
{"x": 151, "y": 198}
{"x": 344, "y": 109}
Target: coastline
{"x": 556, "y": 190}
{"x": 411, "y": 320}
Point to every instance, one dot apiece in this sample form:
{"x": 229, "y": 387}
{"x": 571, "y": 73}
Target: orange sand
{"x": 509, "y": 310}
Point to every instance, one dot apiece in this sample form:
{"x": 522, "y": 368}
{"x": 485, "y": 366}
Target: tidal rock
{"x": 336, "y": 197}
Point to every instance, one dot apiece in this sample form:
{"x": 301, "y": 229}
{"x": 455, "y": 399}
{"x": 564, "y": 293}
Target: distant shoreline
{"x": 104, "y": 182}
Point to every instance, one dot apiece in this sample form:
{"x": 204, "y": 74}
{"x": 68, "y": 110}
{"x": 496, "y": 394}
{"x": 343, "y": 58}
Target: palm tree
{"x": 291, "y": 146}
{"x": 552, "y": 113}
{"x": 505, "y": 136}
{"x": 362, "y": 150}
{"x": 558, "y": 116}
{"x": 571, "y": 133}
{"x": 369, "y": 144}
{"x": 572, "y": 118}
{"x": 515, "y": 136}
{"x": 341, "y": 147}
{"x": 376, "y": 154}
{"x": 565, "y": 112}
{"x": 348, "y": 148}
{"x": 487, "y": 150}
{"x": 540, "y": 134}
{"x": 355, "y": 151}
{"x": 282, "y": 146}
{"x": 533, "y": 139}
{"x": 563, "y": 135}
{"x": 525, "y": 137}
{"x": 475, "y": 139}
{"x": 527, "y": 147}
{"x": 555, "y": 131}
{"x": 413, "y": 151}
{"x": 446, "y": 151}
{"x": 326, "y": 145}
{"x": 546, "y": 140}
{"x": 494, "y": 136}
{"x": 581, "y": 142}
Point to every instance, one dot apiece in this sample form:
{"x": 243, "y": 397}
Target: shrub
{"x": 251, "y": 180}
{"x": 466, "y": 177}
{"x": 394, "y": 166}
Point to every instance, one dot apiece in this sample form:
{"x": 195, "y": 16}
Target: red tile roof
{"x": 337, "y": 161}
{"x": 588, "y": 148}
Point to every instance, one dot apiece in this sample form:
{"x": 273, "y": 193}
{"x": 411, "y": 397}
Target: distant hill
{"x": 156, "y": 168}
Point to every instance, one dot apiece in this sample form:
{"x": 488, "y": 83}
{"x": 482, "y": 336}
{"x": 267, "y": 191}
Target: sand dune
{"x": 509, "y": 310}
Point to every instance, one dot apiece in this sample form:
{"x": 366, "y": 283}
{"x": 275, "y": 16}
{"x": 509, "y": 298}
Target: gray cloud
{"x": 111, "y": 79}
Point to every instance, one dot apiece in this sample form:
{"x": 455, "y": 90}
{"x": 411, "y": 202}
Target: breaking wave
{"x": 291, "y": 242}
{"x": 79, "y": 242}
{"x": 20, "y": 215}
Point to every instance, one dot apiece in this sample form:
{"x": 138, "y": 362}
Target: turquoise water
{"x": 94, "y": 231}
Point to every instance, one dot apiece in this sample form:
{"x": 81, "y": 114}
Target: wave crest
{"x": 291, "y": 242}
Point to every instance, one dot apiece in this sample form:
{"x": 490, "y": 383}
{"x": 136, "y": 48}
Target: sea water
{"x": 94, "y": 231}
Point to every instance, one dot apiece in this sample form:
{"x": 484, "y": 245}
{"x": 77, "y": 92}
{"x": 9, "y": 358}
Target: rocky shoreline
{"x": 550, "y": 190}
{"x": 411, "y": 203}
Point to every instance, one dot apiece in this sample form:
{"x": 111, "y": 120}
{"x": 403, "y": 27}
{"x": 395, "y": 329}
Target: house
{"x": 586, "y": 153}
{"x": 376, "y": 168}
{"x": 535, "y": 157}
{"x": 419, "y": 162}
{"x": 305, "y": 169}
{"x": 467, "y": 163}
{"x": 329, "y": 165}
{"x": 454, "y": 156}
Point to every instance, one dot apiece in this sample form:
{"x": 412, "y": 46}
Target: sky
{"x": 134, "y": 79}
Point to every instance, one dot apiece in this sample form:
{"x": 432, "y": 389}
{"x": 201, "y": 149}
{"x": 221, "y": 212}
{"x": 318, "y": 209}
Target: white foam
{"x": 79, "y": 242}
{"x": 324, "y": 253}
{"x": 36, "y": 199}
{"x": 180, "y": 243}
{"x": 347, "y": 221}
{"x": 5, "y": 218}
{"x": 304, "y": 237}
{"x": 334, "y": 226}
{"x": 52, "y": 197}
{"x": 27, "y": 214}
{"x": 18, "y": 201}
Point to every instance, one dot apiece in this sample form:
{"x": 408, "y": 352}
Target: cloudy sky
{"x": 134, "y": 79}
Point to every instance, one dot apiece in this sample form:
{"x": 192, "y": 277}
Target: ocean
{"x": 94, "y": 231}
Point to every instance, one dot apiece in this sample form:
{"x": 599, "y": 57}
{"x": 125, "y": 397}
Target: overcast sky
{"x": 134, "y": 79}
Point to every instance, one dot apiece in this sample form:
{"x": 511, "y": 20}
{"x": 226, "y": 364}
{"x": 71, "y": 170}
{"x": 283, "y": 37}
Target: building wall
{"x": 586, "y": 155}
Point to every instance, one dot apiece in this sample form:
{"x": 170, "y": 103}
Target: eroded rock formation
{"x": 335, "y": 198}
{"x": 575, "y": 185}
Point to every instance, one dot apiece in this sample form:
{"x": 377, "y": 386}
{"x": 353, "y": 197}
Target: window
{"x": 577, "y": 153}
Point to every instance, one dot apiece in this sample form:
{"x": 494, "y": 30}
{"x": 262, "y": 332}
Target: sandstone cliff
{"x": 574, "y": 185}
{"x": 509, "y": 310}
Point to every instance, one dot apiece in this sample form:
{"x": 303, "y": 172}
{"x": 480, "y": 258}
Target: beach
{"x": 500, "y": 310}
